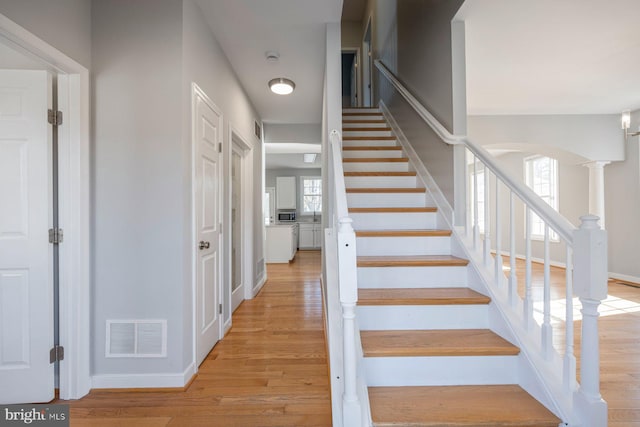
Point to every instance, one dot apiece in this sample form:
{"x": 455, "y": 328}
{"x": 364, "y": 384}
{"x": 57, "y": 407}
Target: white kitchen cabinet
{"x": 310, "y": 236}
{"x": 286, "y": 192}
{"x": 281, "y": 243}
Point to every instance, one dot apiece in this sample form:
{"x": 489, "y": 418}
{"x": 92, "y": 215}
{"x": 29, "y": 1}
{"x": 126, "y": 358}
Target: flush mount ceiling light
{"x": 281, "y": 86}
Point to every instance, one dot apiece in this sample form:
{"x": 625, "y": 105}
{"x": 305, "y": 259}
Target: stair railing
{"x": 586, "y": 271}
{"x": 348, "y": 284}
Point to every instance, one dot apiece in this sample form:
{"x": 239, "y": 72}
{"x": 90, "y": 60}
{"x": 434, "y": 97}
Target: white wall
{"x": 138, "y": 176}
{"x": 65, "y": 24}
{"x": 206, "y": 64}
{"x": 592, "y": 137}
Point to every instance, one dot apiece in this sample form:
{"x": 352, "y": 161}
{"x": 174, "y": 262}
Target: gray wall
{"x": 65, "y": 24}
{"x": 304, "y": 133}
{"x": 138, "y": 175}
{"x": 351, "y": 33}
{"x": 622, "y": 200}
{"x": 207, "y": 66}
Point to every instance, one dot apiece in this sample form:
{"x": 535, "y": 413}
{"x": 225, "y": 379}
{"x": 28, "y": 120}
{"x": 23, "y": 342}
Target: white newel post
{"x": 348, "y": 298}
{"x": 590, "y": 285}
{"x": 596, "y": 189}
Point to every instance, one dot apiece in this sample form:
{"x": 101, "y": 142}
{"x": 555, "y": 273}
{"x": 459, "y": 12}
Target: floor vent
{"x": 136, "y": 338}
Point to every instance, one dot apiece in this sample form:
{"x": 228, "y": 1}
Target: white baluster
{"x": 498, "y": 260}
{"x": 513, "y": 279}
{"x": 547, "y": 331}
{"x": 476, "y": 228}
{"x": 590, "y": 285}
{"x": 569, "y": 367}
{"x": 487, "y": 220}
{"x": 528, "y": 301}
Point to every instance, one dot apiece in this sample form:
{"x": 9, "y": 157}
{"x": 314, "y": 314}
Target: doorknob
{"x": 203, "y": 245}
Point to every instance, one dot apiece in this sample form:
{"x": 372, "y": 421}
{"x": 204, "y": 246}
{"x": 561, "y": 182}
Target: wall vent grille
{"x": 136, "y": 338}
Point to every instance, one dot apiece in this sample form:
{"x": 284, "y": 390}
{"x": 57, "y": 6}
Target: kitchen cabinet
{"x": 282, "y": 243}
{"x": 286, "y": 192}
{"x": 310, "y": 236}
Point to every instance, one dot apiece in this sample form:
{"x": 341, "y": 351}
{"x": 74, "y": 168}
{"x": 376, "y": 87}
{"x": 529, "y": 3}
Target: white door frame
{"x": 356, "y": 50}
{"x": 74, "y": 205}
{"x": 241, "y": 145}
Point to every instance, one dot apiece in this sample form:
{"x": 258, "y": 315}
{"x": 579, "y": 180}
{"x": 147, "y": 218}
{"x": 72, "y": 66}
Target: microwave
{"x": 287, "y": 216}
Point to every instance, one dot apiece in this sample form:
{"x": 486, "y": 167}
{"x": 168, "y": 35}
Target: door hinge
{"x": 219, "y": 308}
{"x": 219, "y": 147}
{"x": 55, "y": 235}
{"x": 56, "y": 354}
{"x": 54, "y": 117}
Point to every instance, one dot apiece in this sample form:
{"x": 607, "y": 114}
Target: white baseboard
{"x": 259, "y": 285}
{"x": 177, "y": 380}
{"x": 625, "y": 277}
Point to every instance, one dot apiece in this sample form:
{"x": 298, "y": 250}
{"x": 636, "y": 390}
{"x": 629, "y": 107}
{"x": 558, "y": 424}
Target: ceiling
{"x": 246, "y": 29}
{"x": 552, "y": 56}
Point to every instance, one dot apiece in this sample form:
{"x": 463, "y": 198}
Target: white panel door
{"x": 208, "y": 136}
{"x": 26, "y": 257}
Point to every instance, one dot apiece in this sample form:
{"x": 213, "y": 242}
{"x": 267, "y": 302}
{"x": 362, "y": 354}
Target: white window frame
{"x": 480, "y": 172}
{"x": 302, "y": 211}
{"x": 552, "y": 199}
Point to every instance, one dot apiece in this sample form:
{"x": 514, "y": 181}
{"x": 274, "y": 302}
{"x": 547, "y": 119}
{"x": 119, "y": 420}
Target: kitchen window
{"x": 311, "y": 194}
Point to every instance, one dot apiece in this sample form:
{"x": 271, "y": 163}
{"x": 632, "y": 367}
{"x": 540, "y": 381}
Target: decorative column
{"x": 596, "y": 189}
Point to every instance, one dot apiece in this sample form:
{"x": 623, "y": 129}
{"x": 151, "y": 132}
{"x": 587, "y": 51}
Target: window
{"x": 479, "y": 174}
{"x": 311, "y": 194}
{"x": 541, "y": 175}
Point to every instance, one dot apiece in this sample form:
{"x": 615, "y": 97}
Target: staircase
{"x": 430, "y": 356}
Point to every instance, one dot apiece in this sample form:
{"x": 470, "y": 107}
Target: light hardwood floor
{"x": 271, "y": 369}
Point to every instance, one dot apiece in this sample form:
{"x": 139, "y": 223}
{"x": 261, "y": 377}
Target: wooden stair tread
{"x": 421, "y": 296}
{"x": 387, "y": 190}
{"x": 394, "y": 210}
{"x": 445, "y": 406}
{"x": 410, "y": 173}
{"x": 375, "y": 160}
{"x": 369, "y": 138}
{"x": 412, "y": 261}
{"x": 363, "y": 121}
{"x": 441, "y": 342}
{"x": 373, "y": 148}
{"x": 403, "y": 233}
{"x": 367, "y": 129}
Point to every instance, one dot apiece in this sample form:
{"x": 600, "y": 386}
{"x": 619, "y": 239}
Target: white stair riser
{"x": 383, "y": 200}
{"x": 412, "y": 277}
{"x": 366, "y": 133}
{"x": 380, "y": 182}
{"x": 403, "y": 246}
{"x": 376, "y": 154}
{"x": 369, "y": 143}
{"x": 362, "y": 117}
{"x": 376, "y": 166}
{"x": 442, "y": 370}
{"x": 412, "y": 317}
{"x": 346, "y": 126}
{"x": 397, "y": 221}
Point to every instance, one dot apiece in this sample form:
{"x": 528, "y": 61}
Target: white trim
{"x": 433, "y": 189}
{"x": 625, "y": 277}
{"x": 74, "y": 202}
{"x": 157, "y": 380}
